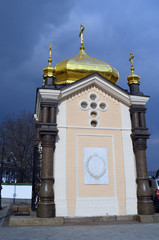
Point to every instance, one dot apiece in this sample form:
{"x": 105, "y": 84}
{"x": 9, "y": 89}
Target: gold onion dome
{"x": 49, "y": 71}
{"x": 132, "y": 78}
{"x": 82, "y": 65}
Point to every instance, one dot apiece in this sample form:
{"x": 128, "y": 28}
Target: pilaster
{"x": 48, "y": 131}
{"x": 140, "y": 135}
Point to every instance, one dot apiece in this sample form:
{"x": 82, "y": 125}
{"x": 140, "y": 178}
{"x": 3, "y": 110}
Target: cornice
{"x": 45, "y": 95}
{"x": 48, "y": 94}
{"x": 138, "y": 100}
{"x": 99, "y": 82}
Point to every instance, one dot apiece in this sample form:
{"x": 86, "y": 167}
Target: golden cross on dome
{"x": 50, "y": 60}
{"x": 50, "y": 50}
{"x": 131, "y": 61}
{"x": 81, "y": 36}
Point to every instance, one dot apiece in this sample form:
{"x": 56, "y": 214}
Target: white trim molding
{"x": 45, "y": 95}
{"x": 100, "y": 82}
{"x": 60, "y": 164}
{"x": 142, "y": 100}
{"x": 129, "y": 162}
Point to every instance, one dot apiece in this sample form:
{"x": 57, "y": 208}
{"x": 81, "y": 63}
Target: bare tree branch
{"x": 17, "y": 135}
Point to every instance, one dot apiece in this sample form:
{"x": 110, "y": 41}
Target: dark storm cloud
{"x": 21, "y": 24}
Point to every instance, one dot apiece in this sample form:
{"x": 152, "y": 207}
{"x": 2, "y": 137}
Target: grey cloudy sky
{"x": 113, "y": 29}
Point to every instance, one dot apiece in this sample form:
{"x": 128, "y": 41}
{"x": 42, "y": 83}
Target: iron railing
{"x": 36, "y": 180}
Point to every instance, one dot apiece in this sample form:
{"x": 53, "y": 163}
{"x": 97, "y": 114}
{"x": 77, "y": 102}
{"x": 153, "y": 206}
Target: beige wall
{"x": 79, "y": 134}
{"x": 77, "y": 117}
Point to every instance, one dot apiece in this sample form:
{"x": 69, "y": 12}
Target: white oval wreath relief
{"x": 95, "y": 166}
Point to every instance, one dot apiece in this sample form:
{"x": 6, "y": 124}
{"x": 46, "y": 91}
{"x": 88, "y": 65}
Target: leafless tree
{"x": 17, "y": 136}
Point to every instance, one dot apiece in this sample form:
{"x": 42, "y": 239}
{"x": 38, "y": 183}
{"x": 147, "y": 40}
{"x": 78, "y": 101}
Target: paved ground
{"x": 132, "y": 231}
{"x": 102, "y": 232}
{"x": 4, "y": 212}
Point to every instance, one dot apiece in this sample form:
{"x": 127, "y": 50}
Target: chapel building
{"x": 93, "y": 135}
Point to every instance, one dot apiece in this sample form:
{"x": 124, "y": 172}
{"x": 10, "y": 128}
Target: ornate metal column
{"x": 48, "y": 132}
{"x": 140, "y": 135}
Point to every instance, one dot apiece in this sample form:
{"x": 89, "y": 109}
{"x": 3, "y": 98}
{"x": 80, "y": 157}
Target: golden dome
{"x": 82, "y": 65}
{"x": 132, "y": 78}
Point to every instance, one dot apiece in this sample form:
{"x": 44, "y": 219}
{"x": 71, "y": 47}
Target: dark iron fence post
{"x": 33, "y": 179}
{"x": 36, "y": 178}
{"x": 1, "y": 175}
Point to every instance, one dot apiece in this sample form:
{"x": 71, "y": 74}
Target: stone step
{"x": 23, "y": 216}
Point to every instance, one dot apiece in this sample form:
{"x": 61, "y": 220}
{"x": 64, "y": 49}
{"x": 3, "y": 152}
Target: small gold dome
{"x": 82, "y": 65}
{"x": 49, "y": 71}
{"x": 132, "y": 78}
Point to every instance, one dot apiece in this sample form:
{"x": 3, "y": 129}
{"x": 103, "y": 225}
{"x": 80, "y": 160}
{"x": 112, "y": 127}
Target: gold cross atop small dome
{"x": 49, "y": 71}
{"x": 132, "y": 78}
{"x": 82, "y": 65}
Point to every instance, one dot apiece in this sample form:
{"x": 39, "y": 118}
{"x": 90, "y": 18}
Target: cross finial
{"x": 50, "y": 50}
{"x": 131, "y": 61}
{"x": 50, "y": 60}
{"x": 81, "y": 36}
{"x": 132, "y": 78}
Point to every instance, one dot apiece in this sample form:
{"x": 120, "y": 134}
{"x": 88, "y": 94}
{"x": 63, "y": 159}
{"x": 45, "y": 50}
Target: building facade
{"x": 93, "y": 136}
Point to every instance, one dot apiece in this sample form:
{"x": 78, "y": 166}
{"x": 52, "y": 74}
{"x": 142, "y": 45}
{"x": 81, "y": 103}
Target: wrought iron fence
{"x": 36, "y": 180}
